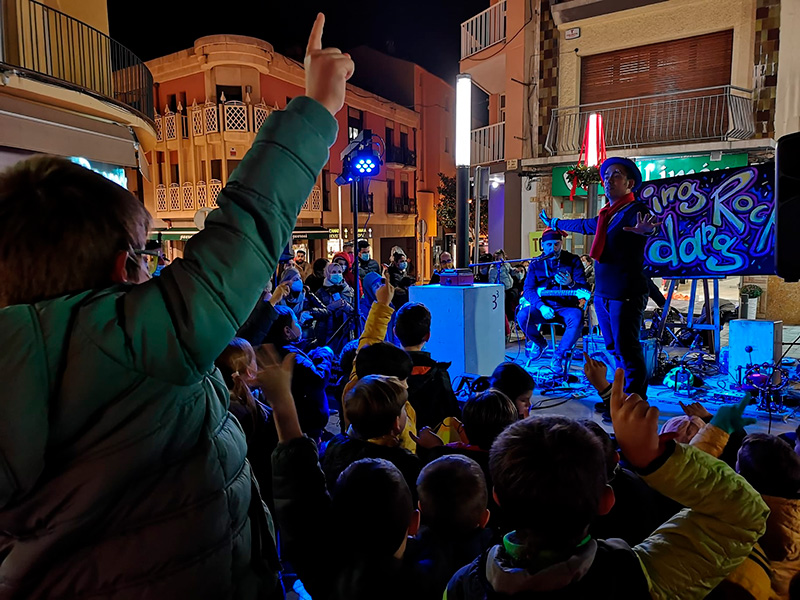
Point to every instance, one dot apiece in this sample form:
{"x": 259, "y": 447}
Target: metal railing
{"x": 483, "y": 30}
{"x": 488, "y": 144}
{"x": 401, "y": 156}
{"x": 397, "y": 205}
{"x": 46, "y": 41}
{"x": 705, "y": 114}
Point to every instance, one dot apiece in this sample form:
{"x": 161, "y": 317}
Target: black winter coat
{"x": 314, "y": 539}
{"x": 343, "y": 450}
{"x": 430, "y": 390}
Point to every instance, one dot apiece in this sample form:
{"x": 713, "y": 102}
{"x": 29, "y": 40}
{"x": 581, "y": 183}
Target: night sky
{"x": 423, "y": 31}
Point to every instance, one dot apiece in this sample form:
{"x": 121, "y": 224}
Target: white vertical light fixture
{"x": 463, "y": 135}
{"x": 463, "y": 119}
{"x": 592, "y": 151}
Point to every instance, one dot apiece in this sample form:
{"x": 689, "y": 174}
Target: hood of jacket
{"x": 371, "y": 283}
{"x": 345, "y": 256}
{"x": 507, "y": 578}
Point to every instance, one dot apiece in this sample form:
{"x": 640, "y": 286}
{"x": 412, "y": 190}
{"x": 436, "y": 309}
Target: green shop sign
{"x": 656, "y": 168}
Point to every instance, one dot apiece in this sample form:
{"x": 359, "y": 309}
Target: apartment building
{"x": 67, "y": 88}
{"x": 211, "y": 100}
{"x": 682, "y": 86}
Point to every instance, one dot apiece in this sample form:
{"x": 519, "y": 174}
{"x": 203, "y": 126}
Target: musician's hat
{"x": 554, "y": 235}
{"x": 629, "y": 165}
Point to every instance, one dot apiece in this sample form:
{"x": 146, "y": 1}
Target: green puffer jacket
{"x": 122, "y": 474}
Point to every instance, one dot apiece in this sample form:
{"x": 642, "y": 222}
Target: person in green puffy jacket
{"x": 122, "y": 474}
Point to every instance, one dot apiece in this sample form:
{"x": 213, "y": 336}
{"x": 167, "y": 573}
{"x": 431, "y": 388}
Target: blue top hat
{"x": 618, "y": 160}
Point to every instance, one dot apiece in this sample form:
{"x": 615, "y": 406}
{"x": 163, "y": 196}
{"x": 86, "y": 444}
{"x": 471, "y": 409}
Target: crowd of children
{"x": 147, "y": 452}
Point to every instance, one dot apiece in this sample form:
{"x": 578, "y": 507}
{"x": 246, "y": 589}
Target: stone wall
{"x": 548, "y": 73}
{"x": 765, "y": 76}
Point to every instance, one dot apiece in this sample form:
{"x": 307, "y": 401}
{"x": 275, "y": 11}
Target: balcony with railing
{"x": 211, "y": 118}
{"x": 720, "y": 113}
{"x": 59, "y": 48}
{"x": 184, "y": 200}
{"x": 398, "y": 157}
{"x": 397, "y": 205}
{"x": 485, "y": 29}
{"x": 488, "y": 144}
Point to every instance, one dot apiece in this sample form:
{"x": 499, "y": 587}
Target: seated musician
{"x": 555, "y": 291}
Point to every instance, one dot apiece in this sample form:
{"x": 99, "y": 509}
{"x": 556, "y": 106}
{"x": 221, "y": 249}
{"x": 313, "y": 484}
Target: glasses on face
{"x": 448, "y": 261}
{"x": 138, "y": 256}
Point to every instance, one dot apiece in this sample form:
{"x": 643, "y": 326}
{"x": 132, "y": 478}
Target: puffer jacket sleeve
{"x": 304, "y": 512}
{"x": 711, "y": 440}
{"x": 697, "y": 548}
{"x": 195, "y": 307}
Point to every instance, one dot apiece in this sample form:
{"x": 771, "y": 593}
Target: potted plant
{"x": 750, "y": 294}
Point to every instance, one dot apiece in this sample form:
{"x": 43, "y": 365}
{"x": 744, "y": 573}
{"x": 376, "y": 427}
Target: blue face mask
{"x": 365, "y": 256}
{"x": 402, "y": 266}
{"x": 336, "y": 278}
{"x": 297, "y": 286}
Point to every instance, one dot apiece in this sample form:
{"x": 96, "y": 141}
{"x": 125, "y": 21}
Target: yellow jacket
{"x": 374, "y": 332}
{"x": 781, "y": 542}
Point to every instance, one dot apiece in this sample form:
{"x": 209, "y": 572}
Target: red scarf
{"x": 603, "y": 219}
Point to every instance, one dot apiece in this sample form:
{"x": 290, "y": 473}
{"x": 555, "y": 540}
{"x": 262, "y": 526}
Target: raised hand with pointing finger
{"x": 327, "y": 70}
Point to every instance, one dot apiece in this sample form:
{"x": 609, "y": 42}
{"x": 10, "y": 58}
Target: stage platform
{"x": 577, "y": 399}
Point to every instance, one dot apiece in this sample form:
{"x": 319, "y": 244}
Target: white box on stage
{"x": 467, "y": 325}
{"x": 763, "y": 338}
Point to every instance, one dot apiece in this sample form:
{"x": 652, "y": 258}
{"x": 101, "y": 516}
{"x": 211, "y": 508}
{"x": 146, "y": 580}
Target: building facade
{"x": 67, "y": 88}
{"x": 433, "y": 99}
{"x": 211, "y": 100}
{"x": 682, "y": 85}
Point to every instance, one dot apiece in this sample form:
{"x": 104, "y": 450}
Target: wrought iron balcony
{"x": 720, "y": 113}
{"x": 485, "y": 29}
{"x": 399, "y": 157}
{"x": 401, "y": 206}
{"x": 488, "y": 144}
{"x": 46, "y": 41}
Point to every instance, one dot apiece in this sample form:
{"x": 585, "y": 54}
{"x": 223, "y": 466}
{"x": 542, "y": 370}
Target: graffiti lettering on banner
{"x": 713, "y": 224}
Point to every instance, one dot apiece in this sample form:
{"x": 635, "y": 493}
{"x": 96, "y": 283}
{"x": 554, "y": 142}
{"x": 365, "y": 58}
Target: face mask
{"x": 365, "y": 256}
{"x": 402, "y": 266}
{"x": 336, "y": 278}
{"x": 295, "y": 337}
{"x": 484, "y": 270}
{"x": 297, "y": 286}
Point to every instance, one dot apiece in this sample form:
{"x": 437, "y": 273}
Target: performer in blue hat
{"x": 621, "y": 290}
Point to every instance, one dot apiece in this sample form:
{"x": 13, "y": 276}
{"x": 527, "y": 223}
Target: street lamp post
{"x": 463, "y": 127}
